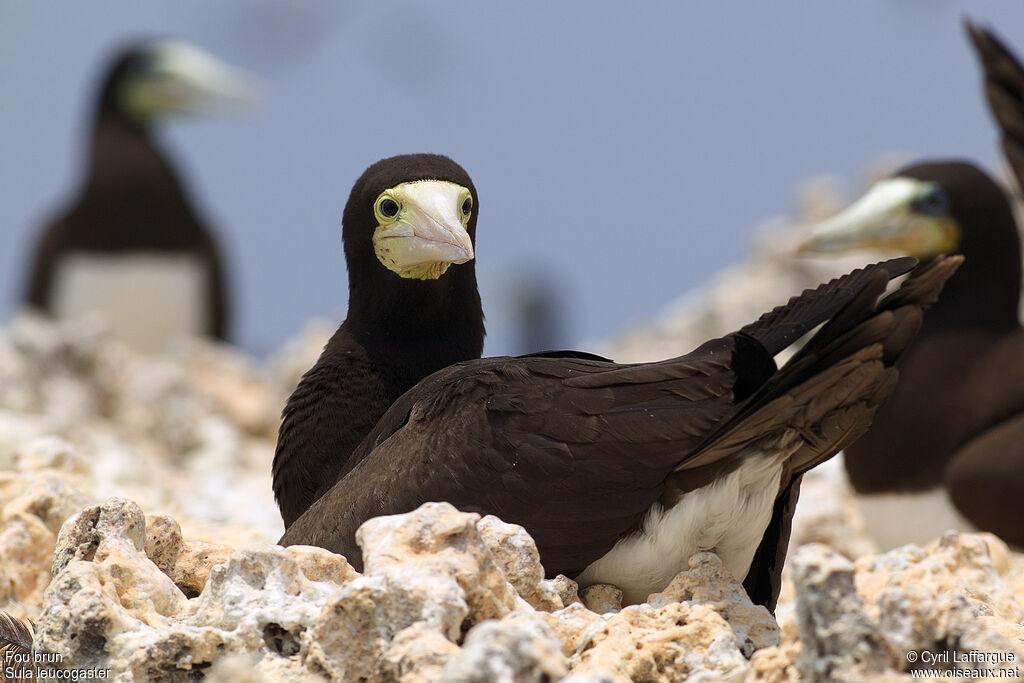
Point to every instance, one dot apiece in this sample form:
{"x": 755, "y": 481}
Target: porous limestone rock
{"x": 881, "y": 615}
{"x": 234, "y": 384}
{"x": 775, "y": 664}
{"x": 598, "y": 677}
{"x": 521, "y": 648}
{"x": 571, "y": 625}
{"x": 665, "y": 645}
{"x": 110, "y": 606}
{"x": 945, "y": 598}
{"x": 63, "y": 372}
{"x": 322, "y": 565}
{"x": 150, "y": 428}
{"x": 707, "y": 581}
{"x": 187, "y": 564}
{"x": 430, "y": 566}
{"x": 840, "y": 640}
{"x": 567, "y": 589}
{"x": 103, "y": 586}
{"x": 435, "y": 604}
{"x": 50, "y": 453}
{"x": 516, "y": 553}
{"x": 252, "y": 669}
{"x": 26, "y": 546}
{"x": 34, "y": 502}
{"x": 17, "y": 429}
{"x": 438, "y": 540}
{"x": 417, "y": 654}
{"x": 953, "y": 564}
{"x": 601, "y": 598}
{"x": 359, "y": 624}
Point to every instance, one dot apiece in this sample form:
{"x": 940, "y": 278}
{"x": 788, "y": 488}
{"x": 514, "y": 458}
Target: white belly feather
{"x": 728, "y": 516}
{"x": 148, "y": 299}
{"x": 895, "y": 519}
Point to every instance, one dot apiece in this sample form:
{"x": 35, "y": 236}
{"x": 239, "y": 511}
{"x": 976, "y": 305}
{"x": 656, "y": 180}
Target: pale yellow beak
{"x": 428, "y": 234}
{"x": 188, "y": 80}
{"x": 885, "y": 218}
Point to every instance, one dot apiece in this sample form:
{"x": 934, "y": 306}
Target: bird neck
{"x": 419, "y": 326}
{"x": 123, "y": 157}
{"x": 984, "y": 294}
{"x": 131, "y": 193}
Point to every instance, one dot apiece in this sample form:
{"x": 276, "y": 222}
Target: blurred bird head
{"x": 155, "y": 79}
{"x": 922, "y": 210}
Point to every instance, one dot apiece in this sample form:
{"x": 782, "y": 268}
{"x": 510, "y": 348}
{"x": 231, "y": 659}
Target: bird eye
{"x": 387, "y": 207}
{"x": 467, "y": 206}
{"x": 934, "y": 203}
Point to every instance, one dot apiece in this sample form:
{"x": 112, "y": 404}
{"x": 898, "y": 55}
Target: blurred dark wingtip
{"x": 1004, "y": 92}
{"x": 15, "y": 636}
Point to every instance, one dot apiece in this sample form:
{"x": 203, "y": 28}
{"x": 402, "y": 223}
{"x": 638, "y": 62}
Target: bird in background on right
{"x": 947, "y": 450}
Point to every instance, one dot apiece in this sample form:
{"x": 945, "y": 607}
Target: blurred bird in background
{"x": 947, "y": 451}
{"x": 131, "y": 244}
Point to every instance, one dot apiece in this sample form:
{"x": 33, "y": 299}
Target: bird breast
{"x": 149, "y": 300}
{"x": 895, "y": 519}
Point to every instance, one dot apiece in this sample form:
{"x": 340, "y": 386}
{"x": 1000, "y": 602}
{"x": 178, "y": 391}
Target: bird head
{"x": 922, "y": 210}
{"x": 156, "y": 79}
{"x": 416, "y": 213}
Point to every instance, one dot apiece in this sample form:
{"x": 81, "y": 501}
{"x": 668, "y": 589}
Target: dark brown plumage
{"x": 580, "y": 450}
{"x": 131, "y": 201}
{"x": 397, "y": 332}
{"x": 956, "y": 420}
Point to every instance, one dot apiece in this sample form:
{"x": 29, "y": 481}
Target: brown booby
{"x": 619, "y": 472}
{"x": 408, "y": 230}
{"x": 947, "y": 450}
{"x": 130, "y": 244}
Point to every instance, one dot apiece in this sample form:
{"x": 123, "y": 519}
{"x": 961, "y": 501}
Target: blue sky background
{"x": 623, "y": 152}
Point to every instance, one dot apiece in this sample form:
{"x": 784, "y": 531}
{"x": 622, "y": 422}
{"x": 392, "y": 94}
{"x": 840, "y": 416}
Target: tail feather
{"x": 1004, "y": 90}
{"x": 891, "y": 324}
{"x": 783, "y": 325}
{"x": 892, "y": 320}
{"x": 853, "y": 353}
{"x": 924, "y": 287}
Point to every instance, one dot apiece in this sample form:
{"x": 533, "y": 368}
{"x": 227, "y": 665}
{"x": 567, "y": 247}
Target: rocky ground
{"x": 137, "y": 531}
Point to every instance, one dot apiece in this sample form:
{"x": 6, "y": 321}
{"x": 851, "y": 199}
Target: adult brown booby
{"x": 131, "y": 245}
{"x": 619, "y": 472}
{"x": 408, "y": 228}
{"x": 947, "y": 450}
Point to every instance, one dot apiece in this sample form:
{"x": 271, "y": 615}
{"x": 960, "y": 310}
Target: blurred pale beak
{"x": 885, "y": 218}
{"x": 189, "y": 80}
